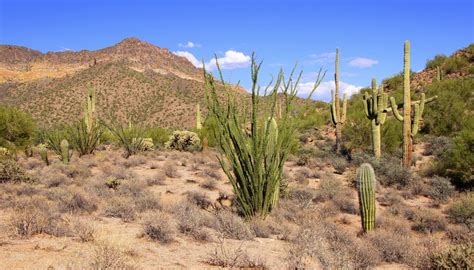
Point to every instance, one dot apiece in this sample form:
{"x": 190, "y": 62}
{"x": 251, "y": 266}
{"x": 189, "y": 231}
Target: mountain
{"x": 134, "y": 81}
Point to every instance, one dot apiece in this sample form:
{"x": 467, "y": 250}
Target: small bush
{"x": 237, "y": 258}
{"x": 16, "y": 128}
{"x": 455, "y": 257}
{"x": 191, "y": 221}
{"x": 232, "y": 226}
{"x": 158, "y": 178}
{"x": 148, "y": 201}
{"x": 131, "y": 139}
{"x": 10, "y": 171}
{"x": 462, "y": 211}
{"x": 73, "y": 200}
{"x": 210, "y": 184}
{"x": 328, "y": 189}
{"x": 429, "y": 222}
{"x": 200, "y": 199}
{"x": 158, "y": 227}
{"x": 340, "y": 164}
{"x": 393, "y": 247}
{"x": 441, "y": 189}
{"x": 170, "y": 170}
{"x": 122, "y": 208}
{"x": 108, "y": 256}
{"x": 84, "y": 231}
{"x": 184, "y": 141}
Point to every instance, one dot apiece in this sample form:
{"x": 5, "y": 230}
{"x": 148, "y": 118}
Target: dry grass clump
{"x": 134, "y": 161}
{"x": 121, "y": 207}
{"x": 232, "y": 226}
{"x": 328, "y": 189}
{"x": 117, "y": 172}
{"x": 210, "y": 184}
{"x": 346, "y": 203}
{"x": 36, "y": 215}
{"x": 212, "y": 173}
{"x": 11, "y": 172}
{"x": 191, "y": 221}
{"x": 427, "y": 221}
{"x": 73, "y": 200}
{"x": 170, "y": 169}
{"x": 238, "y": 258}
{"x": 260, "y": 228}
{"x": 302, "y": 196}
{"x": 459, "y": 234}
{"x": 462, "y": 211}
{"x": 84, "y": 231}
{"x": 107, "y": 255}
{"x": 454, "y": 257}
{"x": 200, "y": 199}
{"x": 148, "y": 201}
{"x": 157, "y": 179}
{"x": 158, "y": 226}
{"x": 33, "y": 163}
{"x": 132, "y": 188}
{"x": 440, "y": 189}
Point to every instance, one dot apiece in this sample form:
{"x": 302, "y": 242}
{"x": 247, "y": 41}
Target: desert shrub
{"x": 132, "y": 188}
{"x": 134, "y": 161}
{"x": 328, "y": 188}
{"x": 83, "y": 139}
{"x": 199, "y": 198}
{"x": 393, "y": 247}
{"x": 158, "y": 178}
{"x": 260, "y": 228}
{"x": 210, "y": 184}
{"x": 238, "y": 258}
{"x": 37, "y": 215}
{"x": 131, "y": 138}
{"x": 459, "y": 234}
{"x": 340, "y": 164}
{"x": 302, "y": 196}
{"x": 170, "y": 169}
{"x": 159, "y": 227}
{"x": 148, "y": 201}
{"x": 232, "y": 226}
{"x": 16, "y": 128}
{"x": 212, "y": 173}
{"x": 436, "y": 145}
{"x": 191, "y": 221}
{"x": 84, "y": 231}
{"x": 73, "y": 200}
{"x": 183, "y": 141}
{"x": 441, "y": 189}
{"x": 437, "y": 61}
{"x": 345, "y": 203}
{"x": 10, "y": 171}
{"x": 462, "y": 211}
{"x": 389, "y": 172}
{"x": 429, "y": 222}
{"x": 119, "y": 207}
{"x": 455, "y": 257}
{"x": 107, "y": 255}
{"x": 158, "y": 135}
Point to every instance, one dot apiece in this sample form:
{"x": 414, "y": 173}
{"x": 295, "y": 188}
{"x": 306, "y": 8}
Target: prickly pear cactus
{"x": 366, "y": 191}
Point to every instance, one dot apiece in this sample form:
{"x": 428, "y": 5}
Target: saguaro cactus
{"x": 272, "y": 129}
{"x": 338, "y": 115}
{"x": 375, "y": 107}
{"x": 366, "y": 191}
{"x": 65, "y": 152}
{"x": 198, "y": 117}
{"x": 43, "y": 153}
{"x": 89, "y": 109}
{"x": 410, "y": 125}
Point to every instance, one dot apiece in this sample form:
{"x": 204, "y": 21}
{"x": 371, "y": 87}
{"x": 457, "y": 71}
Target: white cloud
{"x": 231, "y": 59}
{"x": 323, "y": 92}
{"x": 361, "y": 62}
{"x": 190, "y": 58}
{"x": 189, "y": 44}
{"x": 322, "y": 58}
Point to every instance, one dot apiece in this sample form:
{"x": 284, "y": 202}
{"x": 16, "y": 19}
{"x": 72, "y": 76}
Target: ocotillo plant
{"x": 66, "y": 153}
{"x": 253, "y": 161}
{"x": 338, "y": 115}
{"x": 410, "y": 125}
{"x": 366, "y": 191}
{"x": 375, "y": 107}
{"x": 198, "y": 117}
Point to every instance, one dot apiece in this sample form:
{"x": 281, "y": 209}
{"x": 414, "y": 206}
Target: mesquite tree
{"x": 253, "y": 161}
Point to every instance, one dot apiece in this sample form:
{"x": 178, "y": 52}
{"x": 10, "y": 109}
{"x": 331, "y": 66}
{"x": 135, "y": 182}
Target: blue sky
{"x": 369, "y": 34}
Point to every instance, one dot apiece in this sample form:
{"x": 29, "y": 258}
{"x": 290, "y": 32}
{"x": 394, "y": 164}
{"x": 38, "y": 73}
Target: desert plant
{"x": 253, "y": 159}
{"x": 43, "y": 151}
{"x": 441, "y": 189}
{"x": 410, "y": 124}
{"x": 198, "y": 117}
{"x": 366, "y": 190}
{"x": 455, "y": 257}
{"x": 183, "y": 140}
{"x": 130, "y": 138}
{"x": 462, "y": 211}
{"x": 375, "y": 107}
{"x": 66, "y": 153}
{"x": 10, "y": 171}
{"x": 16, "y": 128}
{"x": 338, "y": 115}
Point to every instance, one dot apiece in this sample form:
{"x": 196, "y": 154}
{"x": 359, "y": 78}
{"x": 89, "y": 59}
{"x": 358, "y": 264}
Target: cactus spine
{"x": 366, "y": 191}
{"x": 375, "y": 107}
{"x": 43, "y": 154}
{"x": 338, "y": 115}
{"x": 65, "y": 152}
{"x": 198, "y": 117}
{"x": 410, "y": 126}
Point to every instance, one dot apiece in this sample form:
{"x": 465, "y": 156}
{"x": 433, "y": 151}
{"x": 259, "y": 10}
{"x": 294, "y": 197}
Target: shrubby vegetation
{"x": 17, "y": 128}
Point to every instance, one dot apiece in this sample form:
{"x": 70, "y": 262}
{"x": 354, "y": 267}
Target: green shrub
{"x": 455, "y": 257}
{"x": 441, "y": 189}
{"x": 158, "y": 135}
{"x": 16, "y": 128}
{"x": 131, "y": 139}
{"x": 437, "y": 61}
{"x": 462, "y": 211}
{"x": 183, "y": 141}
{"x": 83, "y": 139}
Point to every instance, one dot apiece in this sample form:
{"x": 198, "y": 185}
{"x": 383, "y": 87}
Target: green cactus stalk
{"x": 44, "y": 154}
{"x": 410, "y": 125}
{"x": 366, "y": 192}
{"x": 338, "y": 115}
{"x": 89, "y": 109}
{"x": 65, "y": 152}
{"x": 272, "y": 130}
{"x": 198, "y": 117}
{"x": 438, "y": 74}
{"x": 375, "y": 107}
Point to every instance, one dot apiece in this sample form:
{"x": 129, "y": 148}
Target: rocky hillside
{"x": 134, "y": 80}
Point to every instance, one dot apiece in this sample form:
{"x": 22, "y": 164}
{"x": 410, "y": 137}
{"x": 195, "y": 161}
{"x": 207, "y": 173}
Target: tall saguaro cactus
{"x": 366, "y": 192}
{"x": 65, "y": 152}
{"x": 198, "y": 117}
{"x": 375, "y": 107}
{"x": 89, "y": 109}
{"x": 410, "y": 125}
{"x": 338, "y": 114}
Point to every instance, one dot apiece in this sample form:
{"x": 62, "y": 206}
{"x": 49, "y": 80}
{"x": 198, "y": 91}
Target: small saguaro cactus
{"x": 338, "y": 115}
{"x": 89, "y": 109}
{"x": 438, "y": 74}
{"x": 375, "y": 107}
{"x": 410, "y": 125}
{"x": 198, "y": 117}
{"x": 43, "y": 153}
{"x": 66, "y": 153}
{"x": 366, "y": 191}
{"x": 272, "y": 129}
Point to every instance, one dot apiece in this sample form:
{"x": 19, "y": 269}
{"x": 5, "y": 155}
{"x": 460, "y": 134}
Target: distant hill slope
{"x": 134, "y": 81}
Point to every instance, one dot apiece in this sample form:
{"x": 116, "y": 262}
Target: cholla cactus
{"x": 4, "y": 151}
{"x": 338, "y": 115}
{"x": 183, "y": 141}
{"x": 148, "y": 144}
{"x": 366, "y": 192}
{"x": 375, "y": 107}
